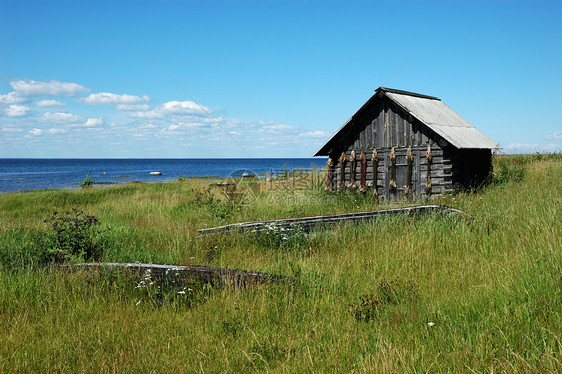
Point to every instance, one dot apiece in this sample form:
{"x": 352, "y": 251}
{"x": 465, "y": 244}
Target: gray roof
{"x": 433, "y": 113}
{"x": 436, "y": 115}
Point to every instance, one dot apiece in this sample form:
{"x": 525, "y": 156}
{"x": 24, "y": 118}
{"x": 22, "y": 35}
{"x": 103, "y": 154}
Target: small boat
{"x": 155, "y": 173}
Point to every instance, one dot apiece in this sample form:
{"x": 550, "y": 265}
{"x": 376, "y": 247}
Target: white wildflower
{"x": 431, "y": 324}
{"x": 138, "y": 302}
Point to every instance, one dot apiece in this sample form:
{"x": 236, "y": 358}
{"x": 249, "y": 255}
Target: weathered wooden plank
{"x": 211, "y": 275}
{"x": 368, "y": 136}
{"x": 307, "y": 223}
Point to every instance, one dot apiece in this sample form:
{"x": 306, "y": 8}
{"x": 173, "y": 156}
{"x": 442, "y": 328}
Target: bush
{"x": 505, "y": 173}
{"x": 88, "y": 182}
{"x": 278, "y": 236}
{"x": 72, "y": 237}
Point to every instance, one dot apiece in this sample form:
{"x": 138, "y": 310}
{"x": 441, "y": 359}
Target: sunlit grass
{"x": 489, "y": 290}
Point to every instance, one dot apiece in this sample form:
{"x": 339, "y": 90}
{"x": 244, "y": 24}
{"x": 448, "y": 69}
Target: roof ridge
{"x": 400, "y": 92}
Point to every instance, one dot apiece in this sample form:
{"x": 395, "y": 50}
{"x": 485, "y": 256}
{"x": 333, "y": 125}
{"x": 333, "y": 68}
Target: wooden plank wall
{"x": 441, "y": 171}
{"x": 385, "y": 126}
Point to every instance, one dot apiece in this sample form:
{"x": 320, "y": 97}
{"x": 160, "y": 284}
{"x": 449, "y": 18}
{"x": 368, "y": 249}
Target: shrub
{"x": 278, "y": 236}
{"x": 222, "y": 204}
{"x": 71, "y": 237}
{"x": 88, "y": 182}
{"x": 505, "y": 173}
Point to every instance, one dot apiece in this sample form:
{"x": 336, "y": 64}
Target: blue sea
{"x": 34, "y": 174}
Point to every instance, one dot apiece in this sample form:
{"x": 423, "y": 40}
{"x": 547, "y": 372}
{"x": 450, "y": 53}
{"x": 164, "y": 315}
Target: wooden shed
{"x": 404, "y": 144}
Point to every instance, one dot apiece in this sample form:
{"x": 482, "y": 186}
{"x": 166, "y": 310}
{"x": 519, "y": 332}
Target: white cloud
{"x": 130, "y": 107}
{"x": 521, "y": 146}
{"x": 59, "y": 117}
{"x": 148, "y": 126}
{"x": 553, "y": 147}
{"x": 277, "y": 129}
{"x": 186, "y": 125}
{"x": 172, "y": 108}
{"x": 316, "y": 134}
{"x": 554, "y": 136}
{"x": 43, "y": 103}
{"x": 11, "y": 128}
{"x": 192, "y": 125}
{"x": 31, "y": 88}
{"x": 531, "y": 147}
{"x": 36, "y": 132}
{"x": 12, "y": 98}
{"x": 56, "y": 131}
{"x": 17, "y": 110}
{"x": 90, "y": 122}
{"x": 111, "y": 98}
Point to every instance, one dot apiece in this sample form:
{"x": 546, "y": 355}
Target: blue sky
{"x": 270, "y": 78}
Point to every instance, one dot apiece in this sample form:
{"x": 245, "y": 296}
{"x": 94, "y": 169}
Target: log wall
{"x": 441, "y": 172}
{"x": 385, "y": 126}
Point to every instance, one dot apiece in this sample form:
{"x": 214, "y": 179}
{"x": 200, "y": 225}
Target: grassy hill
{"x": 437, "y": 293}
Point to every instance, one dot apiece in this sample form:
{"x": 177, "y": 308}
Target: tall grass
{"x": 488, "y": 291}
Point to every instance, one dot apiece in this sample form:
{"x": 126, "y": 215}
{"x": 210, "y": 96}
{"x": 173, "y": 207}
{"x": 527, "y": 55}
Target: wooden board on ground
{"x": 307, "y": 223}
{"x": 214, "y": 276}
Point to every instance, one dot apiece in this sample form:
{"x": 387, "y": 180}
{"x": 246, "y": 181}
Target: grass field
{"x": 435, "y": 294}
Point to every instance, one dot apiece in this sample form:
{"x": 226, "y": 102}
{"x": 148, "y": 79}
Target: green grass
{"x": 492, "y": 287}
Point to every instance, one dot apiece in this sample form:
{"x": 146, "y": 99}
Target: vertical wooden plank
{"x": 415, "y": 137}
{"x": 428, "y": 158}
{"x": 424, "y": 138}
{"x": 391, "y": 127}
{"x": 385, "y": 124}
{"x": 417, "y": 174}
{"x": 379, "y": 135}
{"x": 395, "y": 127}
{"x": 398, "y": 119}
{"x": 363, "y": 172}
{"x": 368, "y": 134}
{"x": 407, "y": 132}
{"x": 400, "y": 129}
{"x": 352, "y": 170}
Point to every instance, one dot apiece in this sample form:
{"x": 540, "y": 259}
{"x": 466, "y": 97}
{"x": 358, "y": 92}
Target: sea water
{"x": 32, "y": 174}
